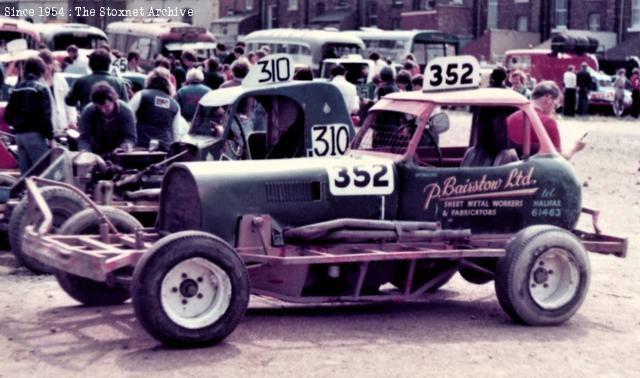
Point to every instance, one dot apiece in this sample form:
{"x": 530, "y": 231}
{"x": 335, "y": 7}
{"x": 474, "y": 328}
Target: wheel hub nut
{"x": 188, "y": 288}
{"x": 540, "y": 276}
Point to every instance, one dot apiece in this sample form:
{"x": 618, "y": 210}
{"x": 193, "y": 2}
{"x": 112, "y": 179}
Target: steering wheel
{"x": 236, "y": 143}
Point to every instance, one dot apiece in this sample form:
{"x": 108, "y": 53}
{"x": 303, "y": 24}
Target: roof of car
{"x": 227, "y": 96}
{"x": 484, "y": 96}
{"x": 53, "y": 28}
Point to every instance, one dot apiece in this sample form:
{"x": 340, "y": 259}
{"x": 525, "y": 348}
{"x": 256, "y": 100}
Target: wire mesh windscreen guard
{"x": 387, "y": 132}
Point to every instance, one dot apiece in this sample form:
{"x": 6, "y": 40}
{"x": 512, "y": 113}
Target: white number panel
{"x": 329, "y": 140}
{"x": 357, "y": 179}
{"x": 275, "y": 68}
{"x": 452, "y": 72}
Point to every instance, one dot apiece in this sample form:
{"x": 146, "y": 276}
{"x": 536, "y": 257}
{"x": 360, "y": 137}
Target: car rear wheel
{"x": 84, "y": 290}
{"x": 63, "y": 203}
{"x": 190, "y": 289}
{"x": 544, "y": 277}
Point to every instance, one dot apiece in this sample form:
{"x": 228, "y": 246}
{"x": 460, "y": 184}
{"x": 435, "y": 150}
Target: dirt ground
{"x": 461, "y": 330}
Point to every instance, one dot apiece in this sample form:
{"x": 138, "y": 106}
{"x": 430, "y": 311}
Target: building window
{"x": 492, "y": 14}
{"x": 395, "y": 24}
{"x": 272, "y": 16}
{"x": 248, "y": 4}
{"x": 293, "y": 5}
{"x": 423, "y": 4}
{"x": 594, "y": 22}
{"x": 320, "y": 8}
{"x": 457, "y": 2}
{"x": 561, "y": 13}
{"x": 342, "y": 4}
{"x": 635, "y": 14}
{"x": 523, "y": 24}
{"x": 372, "y": 13}
{"x": 397, "y": 3}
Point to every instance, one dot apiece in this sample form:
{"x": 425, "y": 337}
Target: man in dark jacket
{"x": 213, "y": 78}
{"x": 388, "y": 83}
{"x": 106, "y": 124}
{"x": 237, "y": 53}
{"x": 100, "y": 63}
{"x": 29, "y": 112}
{"x": 584, "y": 84}
{"x": 157, "y": 113}
{"x": 187, "y": 60}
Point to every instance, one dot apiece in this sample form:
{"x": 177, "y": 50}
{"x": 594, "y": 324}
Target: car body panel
{"x": 293, "y": 191}
{"x": 496, "y": 199}
{"x": 308, "y": 105}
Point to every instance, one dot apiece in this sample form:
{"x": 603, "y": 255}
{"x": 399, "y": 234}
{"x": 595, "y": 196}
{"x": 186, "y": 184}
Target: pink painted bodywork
{"x": 422, "y": 104}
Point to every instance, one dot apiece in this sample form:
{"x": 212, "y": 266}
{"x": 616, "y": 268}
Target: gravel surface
{"x": 461, "y": 330}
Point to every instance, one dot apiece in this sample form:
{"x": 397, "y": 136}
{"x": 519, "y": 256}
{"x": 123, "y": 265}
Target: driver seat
{"x": 492, "y": 141}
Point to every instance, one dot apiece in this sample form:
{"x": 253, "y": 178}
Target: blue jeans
{"x": 31, "y": 146}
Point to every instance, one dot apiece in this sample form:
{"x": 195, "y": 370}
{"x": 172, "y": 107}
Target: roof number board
{"x": 272, "y": 69}
{"x": 452, "y": 72}
{"x": 329, "y": 140}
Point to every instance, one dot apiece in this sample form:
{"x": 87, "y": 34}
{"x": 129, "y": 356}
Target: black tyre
{"x": 63, "y": 203}
{"x": 7, "y": 180}
{"x": 84, "y": 290}
{"x": 544, "y": 277}
{"x": 190, "y": 289}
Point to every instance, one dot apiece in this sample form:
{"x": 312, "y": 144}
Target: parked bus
{"x": 543, "y": 64}
{"x": 396, "y": 44}
{"x": 58, "y": 37}
{"x": 306, "y": 47}
{"x": 151, "y": 38}
{"x": 13, "y": 28}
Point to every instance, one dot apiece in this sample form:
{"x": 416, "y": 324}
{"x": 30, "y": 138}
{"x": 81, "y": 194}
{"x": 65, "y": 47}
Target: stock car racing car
{"x": 395, "y": 218}
{"x": 275, "y": 119}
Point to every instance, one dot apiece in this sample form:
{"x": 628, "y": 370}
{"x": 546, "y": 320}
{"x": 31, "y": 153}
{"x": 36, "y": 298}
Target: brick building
{"x": 485, "y": 27}
{"x": 615, "y": 22}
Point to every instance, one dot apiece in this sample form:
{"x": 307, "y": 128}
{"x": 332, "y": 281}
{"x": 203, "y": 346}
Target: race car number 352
{"x": 361, "y": 179}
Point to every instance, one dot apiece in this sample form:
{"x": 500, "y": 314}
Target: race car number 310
{"x": 367, "y": 178}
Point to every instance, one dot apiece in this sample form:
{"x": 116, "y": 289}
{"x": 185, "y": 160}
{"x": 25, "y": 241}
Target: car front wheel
{"x": 190, "y": 289}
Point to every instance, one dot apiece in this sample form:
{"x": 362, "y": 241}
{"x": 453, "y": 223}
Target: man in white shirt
{"x": 570, "y": 83}
{"x": 348, "y": 90}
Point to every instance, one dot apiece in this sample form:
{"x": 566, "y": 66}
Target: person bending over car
{"x": 545, "y": 99}
{"x": 107, "y": 123}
